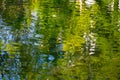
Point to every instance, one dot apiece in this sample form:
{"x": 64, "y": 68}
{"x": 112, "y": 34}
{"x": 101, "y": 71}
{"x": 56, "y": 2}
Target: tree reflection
{"x": 59, "y": 39}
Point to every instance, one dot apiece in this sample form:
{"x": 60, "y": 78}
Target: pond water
{"x": 59, "y": 39}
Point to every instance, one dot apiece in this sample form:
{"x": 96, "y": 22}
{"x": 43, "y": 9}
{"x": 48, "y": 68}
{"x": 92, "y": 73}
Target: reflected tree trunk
{"x": 119, "y": 6}
{"x": 111, "y": 6}
{"x": 80, "y": 4}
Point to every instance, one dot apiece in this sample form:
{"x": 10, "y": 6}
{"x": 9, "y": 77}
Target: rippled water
{"x": 59, "y": 40}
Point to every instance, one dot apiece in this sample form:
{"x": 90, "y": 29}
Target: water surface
{"x": 59, "y": 40}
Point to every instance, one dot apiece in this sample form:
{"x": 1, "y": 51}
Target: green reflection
{"x": 59, "y": 40}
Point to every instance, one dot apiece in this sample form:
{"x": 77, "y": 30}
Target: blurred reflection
{"x": 59, "y": 40}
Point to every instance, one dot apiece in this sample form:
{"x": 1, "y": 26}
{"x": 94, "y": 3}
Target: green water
{"x": 59, "y": 40}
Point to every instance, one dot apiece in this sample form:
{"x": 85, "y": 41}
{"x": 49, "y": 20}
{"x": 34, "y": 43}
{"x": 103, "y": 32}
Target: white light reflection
{"x": 89, "y": 2}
